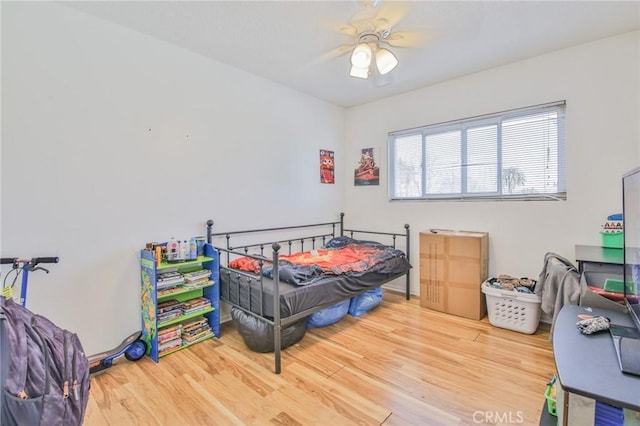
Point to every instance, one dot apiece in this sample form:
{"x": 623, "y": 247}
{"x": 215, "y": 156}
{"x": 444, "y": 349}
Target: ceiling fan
{"x": 372, "y": 31}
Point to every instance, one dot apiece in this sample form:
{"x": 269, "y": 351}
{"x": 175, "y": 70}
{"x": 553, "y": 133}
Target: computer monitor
{"x": 626, "y": 340}
{"x": 631, "y": 225}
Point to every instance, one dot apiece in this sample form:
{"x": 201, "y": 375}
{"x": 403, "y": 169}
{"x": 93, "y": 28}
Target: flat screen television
{"x": 631, "y": 225}
{"x": 626, "y": 340}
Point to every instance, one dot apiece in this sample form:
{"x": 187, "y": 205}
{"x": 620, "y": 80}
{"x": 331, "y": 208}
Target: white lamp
{"x": 361, "y": 56}
{"x": 385, "y": 61}
{"x": 359, "y": 72}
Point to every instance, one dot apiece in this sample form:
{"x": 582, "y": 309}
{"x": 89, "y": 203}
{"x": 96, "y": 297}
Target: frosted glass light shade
{"x": 359, "y": 72}
{"x": 385, "y": 61}
{"x": 361, "y": 56}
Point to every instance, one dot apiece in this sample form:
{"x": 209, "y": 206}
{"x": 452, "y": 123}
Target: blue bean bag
{"x": 363, "y": 303}
{"x": 328, "y": 316}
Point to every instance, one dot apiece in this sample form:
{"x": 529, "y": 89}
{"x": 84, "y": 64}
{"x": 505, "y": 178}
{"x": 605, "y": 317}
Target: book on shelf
{"x": 167, "y": 312}
{"x": 196, "y": 329}
{"x": 198, "y": 283}
{"x": 167, "y": 318}
{"x": 171, "y": 313}
{"x": 164, "y": 320}
{"x": 194, "y": 324}
{"x": 169, "y": 344}
{"x": 196, "y": 309}
{"x": 169, "y": 305}
{"x": 170, "y": 328}
{"x": 195, "y": 336}
{"x": 169, "y": 275}
{"x": 188, "y": 310}
{"x": 192, "y": 338}
{"x": 198, "y": 301}
{"x": 166, "y": 336}
{"x": 197, "y": 275}
{"x": 170, "y": 279}
{"x": 169, "y": 290}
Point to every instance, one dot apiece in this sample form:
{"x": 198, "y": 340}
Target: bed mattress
{"x": 245, "y": 290}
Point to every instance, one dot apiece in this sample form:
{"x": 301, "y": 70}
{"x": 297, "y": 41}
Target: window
{"x": 516, "y": 154}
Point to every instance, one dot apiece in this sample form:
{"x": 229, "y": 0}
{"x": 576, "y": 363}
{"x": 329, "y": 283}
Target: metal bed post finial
{"x": 209, "y": 228}
{"x": 341, "y": 224}
{"x": 408, "y": 287}
{"x": 277, "y": 327}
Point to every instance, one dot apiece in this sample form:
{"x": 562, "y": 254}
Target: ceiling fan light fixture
{"x": 359, "y": 72}
{"x": 385, "y": 61}
{"x": 361, "y": 56}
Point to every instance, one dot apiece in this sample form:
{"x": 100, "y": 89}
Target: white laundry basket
{"x": 512, "y": 309}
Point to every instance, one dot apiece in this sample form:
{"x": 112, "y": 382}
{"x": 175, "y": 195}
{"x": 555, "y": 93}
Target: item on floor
{"x": 39, "y": 384}
{"x": 133, "y": 348}
{"x": 512, "y": 309}
{"x": 551, "y": 396}
{"x": 330, "y": 315}
{"x": 365, "y": 302}
{"x": 258, "y": 335}
{"x": 593, "y": 325}
{"x": 453, "y": 266}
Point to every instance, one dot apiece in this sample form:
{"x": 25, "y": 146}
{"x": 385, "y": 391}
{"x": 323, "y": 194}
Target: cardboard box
{"x": 453, "y": 266}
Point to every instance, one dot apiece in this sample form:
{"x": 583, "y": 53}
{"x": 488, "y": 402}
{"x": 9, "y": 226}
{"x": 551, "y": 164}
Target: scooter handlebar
{"x": 37, "y": 260}
{"x": 8, "y": 260}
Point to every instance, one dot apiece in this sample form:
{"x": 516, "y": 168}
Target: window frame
{"x": 463, "y": 125}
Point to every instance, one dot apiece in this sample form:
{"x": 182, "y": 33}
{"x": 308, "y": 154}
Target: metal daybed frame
{"x": 277, "y": 322}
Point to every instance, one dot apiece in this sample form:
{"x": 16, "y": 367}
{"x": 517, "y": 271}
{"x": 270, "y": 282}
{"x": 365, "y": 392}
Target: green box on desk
{"x": 613, "y": 240}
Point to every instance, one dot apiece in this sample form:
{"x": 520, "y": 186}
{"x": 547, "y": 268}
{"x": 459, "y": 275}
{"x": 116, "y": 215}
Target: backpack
{"x": 45, "y": 372}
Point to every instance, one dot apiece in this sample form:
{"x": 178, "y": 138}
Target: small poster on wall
{"x": 326, "y": 167}
{"x": 367, "y": 173}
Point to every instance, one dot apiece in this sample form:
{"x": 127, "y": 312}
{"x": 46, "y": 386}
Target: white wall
{"x": 111, "y": 139}
{"x": 94, "y": 116}
{"x": 600, "y": 82}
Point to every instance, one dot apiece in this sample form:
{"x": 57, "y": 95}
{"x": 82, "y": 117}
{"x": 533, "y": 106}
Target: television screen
{"x": 631, "y": 221}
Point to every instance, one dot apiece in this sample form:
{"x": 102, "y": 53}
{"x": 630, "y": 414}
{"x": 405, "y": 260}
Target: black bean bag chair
{"x": 258, "y": 335}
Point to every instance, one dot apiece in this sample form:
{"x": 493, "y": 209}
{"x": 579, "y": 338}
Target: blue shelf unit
{"x": 150, "y": 299}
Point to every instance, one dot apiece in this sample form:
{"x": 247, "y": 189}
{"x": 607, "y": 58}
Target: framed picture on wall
{"x": 327, "y": 173}
{"x": 367, "y": 173}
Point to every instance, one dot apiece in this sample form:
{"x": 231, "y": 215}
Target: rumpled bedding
{"x": 339, "y": 256}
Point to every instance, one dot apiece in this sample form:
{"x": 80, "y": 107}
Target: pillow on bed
{"x": 365, "y": 302}
{"x": 248, "y": 264}
{"x": 328, "y": 316}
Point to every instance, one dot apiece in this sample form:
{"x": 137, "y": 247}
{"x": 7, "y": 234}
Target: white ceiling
{"x": 284, "y": 40}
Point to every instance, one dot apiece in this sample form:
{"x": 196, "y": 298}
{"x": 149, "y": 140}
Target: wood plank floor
{"x": 399, "y": 364}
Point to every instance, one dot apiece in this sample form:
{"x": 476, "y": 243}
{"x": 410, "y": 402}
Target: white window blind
{"x": 516, "y": 154}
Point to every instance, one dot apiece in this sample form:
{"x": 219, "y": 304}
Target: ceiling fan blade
{"x": 405, "y": 39}
{"x": 364, "y": 15}
{"x": 343, "y": 28}
{"x": 332, "y": 54}
{"x": 338, "y": 51}
{"x": 388, "y": 15}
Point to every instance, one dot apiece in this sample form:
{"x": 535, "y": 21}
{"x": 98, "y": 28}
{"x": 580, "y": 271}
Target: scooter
{"x": 133, "y": 347}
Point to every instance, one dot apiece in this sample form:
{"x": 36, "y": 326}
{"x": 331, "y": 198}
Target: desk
{"x": 602, "y": 259}
{"x": 587, "y": 364}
